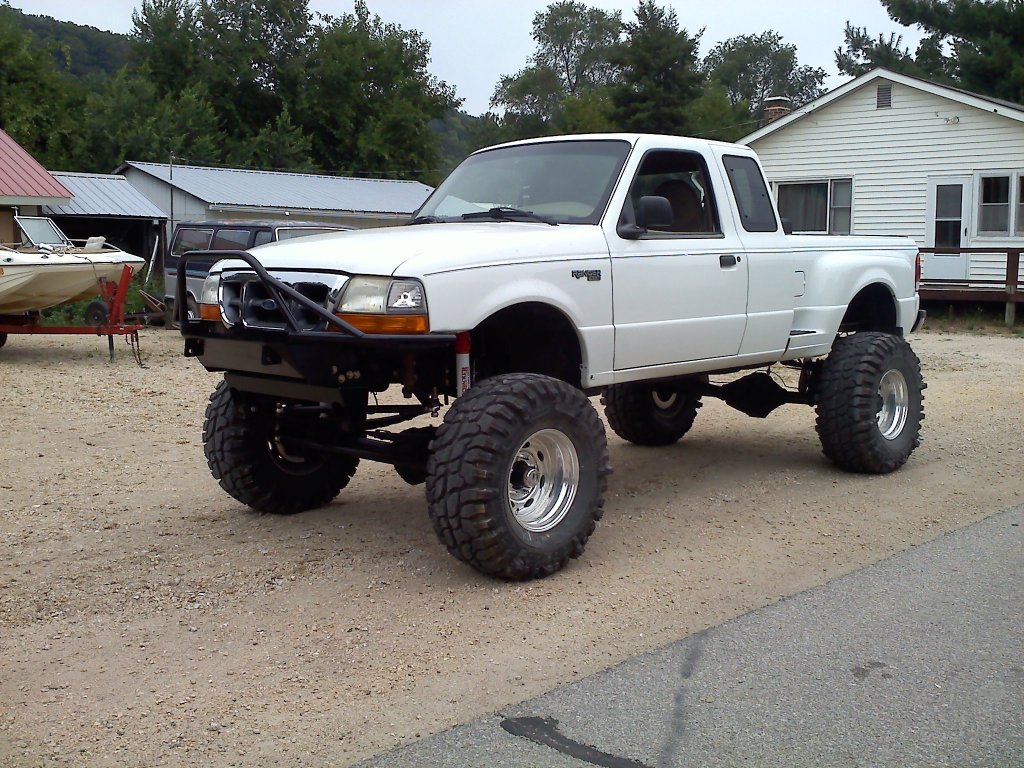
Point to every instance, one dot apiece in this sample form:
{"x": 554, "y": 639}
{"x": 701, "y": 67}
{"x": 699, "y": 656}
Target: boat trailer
{"x": 105, "y": 317}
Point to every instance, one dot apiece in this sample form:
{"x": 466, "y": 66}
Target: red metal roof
{"x": 21, "y": 176}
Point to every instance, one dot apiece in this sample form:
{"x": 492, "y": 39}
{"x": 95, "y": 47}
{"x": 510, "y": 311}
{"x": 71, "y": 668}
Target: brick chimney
{"x": 775, "y": 107}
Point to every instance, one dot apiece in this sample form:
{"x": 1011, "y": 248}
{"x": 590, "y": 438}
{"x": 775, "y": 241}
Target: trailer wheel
{"x": 869, "y": 396}
{"x": 651, "y": 413}
{"x": 249, "y": 462}
{"x": 517, "y": 475}
{"x": 97, "y": 313}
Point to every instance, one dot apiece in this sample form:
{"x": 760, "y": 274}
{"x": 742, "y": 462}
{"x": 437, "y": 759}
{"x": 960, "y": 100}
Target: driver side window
{"x": 682, "y": 179}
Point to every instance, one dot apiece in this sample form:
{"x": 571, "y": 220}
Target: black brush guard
{"x": 300, "y": 358}
{"x": 313, "y": 364}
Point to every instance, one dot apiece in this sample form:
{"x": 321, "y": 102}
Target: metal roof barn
{"x": 187, "y": 192}
{"x": 100, "y": 194}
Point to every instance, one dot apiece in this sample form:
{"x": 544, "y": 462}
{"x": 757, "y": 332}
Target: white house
{"x": 887, "y": 154}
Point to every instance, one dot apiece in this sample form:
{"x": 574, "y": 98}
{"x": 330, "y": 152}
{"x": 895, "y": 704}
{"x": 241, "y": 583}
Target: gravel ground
{"x": 147, "y": 619}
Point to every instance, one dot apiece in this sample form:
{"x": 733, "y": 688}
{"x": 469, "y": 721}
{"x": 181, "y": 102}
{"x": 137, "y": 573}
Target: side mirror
{"x": 651, "y": 211}
{"x": 654, "y": 211}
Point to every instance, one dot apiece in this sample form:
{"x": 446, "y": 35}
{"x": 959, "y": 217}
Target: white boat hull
{"x": 34, "y": 281}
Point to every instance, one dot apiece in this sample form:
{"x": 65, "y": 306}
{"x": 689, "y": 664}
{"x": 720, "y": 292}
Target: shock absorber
{"x": 462, "y": 370}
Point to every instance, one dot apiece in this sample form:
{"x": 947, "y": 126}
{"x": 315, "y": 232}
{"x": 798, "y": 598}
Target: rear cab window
{"x": 754, "y": 204}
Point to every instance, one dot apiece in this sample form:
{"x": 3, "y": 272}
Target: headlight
{"x": 364, "y": 294}
{"x": 209, "y": 299}
{"x": 383, "y": 305}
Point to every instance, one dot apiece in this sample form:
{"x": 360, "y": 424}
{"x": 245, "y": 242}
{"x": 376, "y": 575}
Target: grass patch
{"x": 967, "y": 317}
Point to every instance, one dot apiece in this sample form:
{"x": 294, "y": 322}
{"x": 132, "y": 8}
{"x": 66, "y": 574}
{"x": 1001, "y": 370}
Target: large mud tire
{"x": 650, "y": 413}
{"x": 238, "y": 436}
{"x": 870, "y": 402}
{"x": 517, "y": 475}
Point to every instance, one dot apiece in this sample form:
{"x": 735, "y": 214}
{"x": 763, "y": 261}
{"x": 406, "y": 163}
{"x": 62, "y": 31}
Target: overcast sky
{"x": 475, "y": 42}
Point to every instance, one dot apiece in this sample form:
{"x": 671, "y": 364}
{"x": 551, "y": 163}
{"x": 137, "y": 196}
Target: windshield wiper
{"x": 425, "y": 220}
{"x": 504, "y": 213}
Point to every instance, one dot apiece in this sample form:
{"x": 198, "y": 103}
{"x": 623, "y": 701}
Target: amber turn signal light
{"x": 391, "y": 324}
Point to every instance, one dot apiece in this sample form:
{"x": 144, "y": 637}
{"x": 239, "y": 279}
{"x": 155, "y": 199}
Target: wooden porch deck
{"x": 1006, "y": 289}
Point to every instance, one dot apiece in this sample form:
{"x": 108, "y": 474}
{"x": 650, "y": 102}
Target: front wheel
{"x": 870, "y": 401}
{"x": 246, "y": 453}
{"x": 517, "y": 475}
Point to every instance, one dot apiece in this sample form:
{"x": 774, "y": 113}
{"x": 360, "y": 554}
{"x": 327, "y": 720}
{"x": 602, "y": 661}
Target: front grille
{"x": 245, "y": 299}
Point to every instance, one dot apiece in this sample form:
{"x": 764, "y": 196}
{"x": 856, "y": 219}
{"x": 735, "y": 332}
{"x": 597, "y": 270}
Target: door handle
{"x": 727, "y": 260}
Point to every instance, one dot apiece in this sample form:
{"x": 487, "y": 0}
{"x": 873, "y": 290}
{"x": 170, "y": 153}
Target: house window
{"x": 994, "y": 206}
{"x": 1020, "y": 205}
{"x": 949, "y": 200}
{"x": 840, "y": 207}
{"x": 817, "y": 206}
{"x": 883, "y": 96}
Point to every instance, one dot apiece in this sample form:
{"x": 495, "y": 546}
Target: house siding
{"x": 890, "y": 153}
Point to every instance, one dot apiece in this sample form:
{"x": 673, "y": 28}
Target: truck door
{"x": 680, "y": 291}
{"x": 776, "y": 276}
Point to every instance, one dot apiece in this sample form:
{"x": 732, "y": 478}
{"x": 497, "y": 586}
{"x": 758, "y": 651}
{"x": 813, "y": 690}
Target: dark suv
{"x": 225, "y": 235}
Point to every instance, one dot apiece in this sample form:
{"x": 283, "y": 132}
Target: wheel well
{"x": 873, "y": 309}
{"x": 528, "y": 338}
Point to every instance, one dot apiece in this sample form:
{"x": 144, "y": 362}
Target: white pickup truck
{"x": 540, "y": 273}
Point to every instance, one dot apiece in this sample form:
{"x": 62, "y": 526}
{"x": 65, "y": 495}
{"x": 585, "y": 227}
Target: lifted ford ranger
{"x": 540, "y": 273}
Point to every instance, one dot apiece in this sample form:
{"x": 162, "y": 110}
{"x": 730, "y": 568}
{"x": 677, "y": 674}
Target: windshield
{"x": 568, "y": 182}
{"x": 41, "y": 231}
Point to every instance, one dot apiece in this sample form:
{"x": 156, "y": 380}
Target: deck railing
{"x": 1007, "y": 288}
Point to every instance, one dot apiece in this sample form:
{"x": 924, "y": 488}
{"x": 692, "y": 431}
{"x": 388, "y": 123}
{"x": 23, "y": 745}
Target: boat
{"x": 46, "y": 268}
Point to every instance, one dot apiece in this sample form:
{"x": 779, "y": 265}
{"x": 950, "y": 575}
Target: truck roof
{"x": 647, "y": 139}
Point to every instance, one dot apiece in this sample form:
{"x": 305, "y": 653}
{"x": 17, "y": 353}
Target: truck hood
{"x": 425, "y": 249}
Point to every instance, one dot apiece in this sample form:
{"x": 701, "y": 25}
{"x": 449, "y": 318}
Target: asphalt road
{"x": 915, "y": 661}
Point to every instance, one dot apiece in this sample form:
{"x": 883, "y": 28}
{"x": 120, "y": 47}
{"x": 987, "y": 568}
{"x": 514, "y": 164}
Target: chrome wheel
{"x": 543, "y": 479}
{"x": 892, "y": 415}
{"x": 664, "y": 401}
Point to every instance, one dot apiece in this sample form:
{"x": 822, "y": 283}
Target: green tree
{"x": 753, "y": 68}
{"x": 369, "y": 98}
{"x": 83, "y": 52}
{"x": 38, "y": 103}
{"x": 659, "y": 73}
{"x": 714, "y": 116}
{"x": 127, "y": 120}
{"x": 279, "y": 144}
{"x": 165, "y": 36}
{"x": 574, "y": 56}
{"x": 862, "y": 53}
{"x": 986, "y": 40}
{"x": 253, "y": 52}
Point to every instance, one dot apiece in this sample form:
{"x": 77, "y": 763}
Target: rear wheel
{"x": 517, "y": 475}
{"x": 869, "y": 396}
{"x": 651, "y": 413}
{"x": 248, "y": 456}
